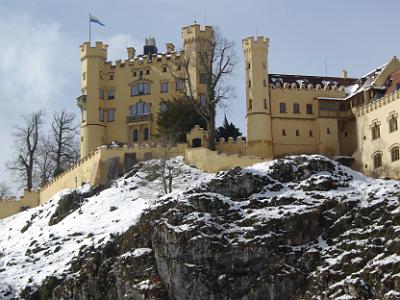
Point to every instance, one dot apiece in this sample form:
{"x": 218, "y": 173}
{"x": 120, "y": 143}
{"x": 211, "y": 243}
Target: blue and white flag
{"x": 93, "y": 19}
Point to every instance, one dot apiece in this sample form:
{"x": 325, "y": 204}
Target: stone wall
{"x": 211, "y": 161}
{"x": 12, "y": 205}
{"x": 94, "y": 168}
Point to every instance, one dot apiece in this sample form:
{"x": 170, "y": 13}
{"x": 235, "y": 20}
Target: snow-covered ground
{"x": 116, "y": 209}
{"x": 111, "y": 212}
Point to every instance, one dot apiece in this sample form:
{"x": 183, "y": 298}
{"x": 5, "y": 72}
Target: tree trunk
{"x": 211, "y": 134}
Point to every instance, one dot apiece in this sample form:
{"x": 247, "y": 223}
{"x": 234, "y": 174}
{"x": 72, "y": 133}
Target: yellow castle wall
{"x": 10, "y": 206}
{"x": 378, "y": 111}
{"x": 97, "y": 74}
{"x": 212, "y": 161}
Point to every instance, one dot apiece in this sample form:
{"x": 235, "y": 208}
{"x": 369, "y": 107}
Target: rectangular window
{"x": 203, "y": 78}
{"x": 203, "y": 100}
{"x": 101, "y": 114}
{"x": 375, "y": 130}
{"x": 310, "y": 133}
{"x": 146, "y": 108}
{"x": 111, "y": 115}
{"x": 297, "y": 132}
{"x": 296, "y": 108}
{"x": 393, "y": 124}
{"x": 324, "y": 105}
{"x": 164, "y": 87}
{"x": 265, "y": 104}
{"x": 309, "y": 109}
{"x": 395, "y": 153}
{"x": 179, "y": 85}
{"x": 133, "y": 110}
{"x": 377, "y": 160}
{"x": 328, "y": 130}
{"x": 250, "y": 104}
{"x": 282, "y": 108}
{"x": 284, "y": 132}
{"x": 101, "y": 93}
{"x": 111, "y": 94}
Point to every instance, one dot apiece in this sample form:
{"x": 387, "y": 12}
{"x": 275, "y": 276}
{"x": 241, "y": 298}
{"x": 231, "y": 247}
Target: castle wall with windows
{"x": 379, "y": 136}
{"x": 334, "y": 116}
{"x": 120, "y": 101}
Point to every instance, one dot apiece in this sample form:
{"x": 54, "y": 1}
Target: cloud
{"x": 34, "y": 67}
{"x": 118, "y": 44}
{"x": 30, "y": 60}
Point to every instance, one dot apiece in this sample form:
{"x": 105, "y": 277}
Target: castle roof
{"x": 314, "y": 80}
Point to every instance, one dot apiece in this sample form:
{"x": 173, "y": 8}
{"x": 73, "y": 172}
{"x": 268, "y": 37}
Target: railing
{"x": 339, "y": 114}
{"x": 140, "y": 118}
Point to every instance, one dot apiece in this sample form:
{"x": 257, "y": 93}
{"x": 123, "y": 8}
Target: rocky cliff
{"x": 302, "y": 227}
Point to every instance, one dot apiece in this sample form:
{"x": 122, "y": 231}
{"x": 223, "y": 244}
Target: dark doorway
{"x": 129, "y": 161}
{"x": 196, "y": 143}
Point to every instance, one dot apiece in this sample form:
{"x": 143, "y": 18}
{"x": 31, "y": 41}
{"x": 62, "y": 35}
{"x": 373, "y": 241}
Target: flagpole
{"x": 90, "y": 32}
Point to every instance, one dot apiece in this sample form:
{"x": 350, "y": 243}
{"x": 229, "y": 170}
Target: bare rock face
{"x": 299, "y": 229}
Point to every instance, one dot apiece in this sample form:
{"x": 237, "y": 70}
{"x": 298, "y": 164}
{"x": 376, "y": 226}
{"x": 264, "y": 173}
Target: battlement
{"x": 195, "y": 31}
{"x": 140, "y": 60}
{"x": 99, "y": 50}
{"x": 387, "y": 99}
{"x": 255, "y": 42}
{"x": 11, "y": 205}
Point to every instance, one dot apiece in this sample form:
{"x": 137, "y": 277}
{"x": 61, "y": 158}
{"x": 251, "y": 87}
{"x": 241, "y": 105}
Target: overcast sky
{"x": 39, "y": 40}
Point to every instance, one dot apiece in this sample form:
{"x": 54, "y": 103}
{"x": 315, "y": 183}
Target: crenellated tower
{"x": 258, "y": 113}
{"x": 197, "y": 38}
{"x": 93, "y": 129}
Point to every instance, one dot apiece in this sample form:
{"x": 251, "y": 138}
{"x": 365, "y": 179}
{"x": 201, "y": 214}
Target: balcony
{"x": 337, "y": 114}
{"x": 139, "y": 118}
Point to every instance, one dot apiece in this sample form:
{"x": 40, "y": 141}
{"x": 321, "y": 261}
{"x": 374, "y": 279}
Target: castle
{"x": 333, "y": 116}
{"x": 285, "y": 114}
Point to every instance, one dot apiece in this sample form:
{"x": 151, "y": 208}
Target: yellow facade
{"x": 285, "y": 114}
{"x": 299, "y": 114}
{"x": 120, "y": 102}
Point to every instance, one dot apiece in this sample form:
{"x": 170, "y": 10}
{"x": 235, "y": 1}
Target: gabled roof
{"x": 377, "y": 78}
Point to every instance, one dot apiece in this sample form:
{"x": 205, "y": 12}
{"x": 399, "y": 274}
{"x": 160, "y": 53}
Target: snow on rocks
{"x": 31, "y": 250}
{"x": 302, "y": 226}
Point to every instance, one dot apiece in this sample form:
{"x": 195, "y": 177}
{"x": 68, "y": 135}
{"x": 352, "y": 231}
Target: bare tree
{"x": 65, "y": 146}
{"x": 25, "y": 147}
{"x": 4, "y": 190}
{"x": 44, "y": 162}
{"x": 163, "y": 168}
{"x": 207, "y": 62}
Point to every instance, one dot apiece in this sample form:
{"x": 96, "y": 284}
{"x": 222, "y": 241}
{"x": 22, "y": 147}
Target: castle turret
{"x": 197, "y": 38}
{"x": 93, "y": 92}
{"x": 258, "y": 116}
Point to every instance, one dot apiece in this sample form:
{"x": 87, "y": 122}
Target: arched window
{"x": 143, "y": 88}
{"x": 395, "y": 153}
{"x": 146, "y": 134}
{"x": 377, "y": 160}
{"x": 140, "y": 109}
{"x": 135, "y": 135}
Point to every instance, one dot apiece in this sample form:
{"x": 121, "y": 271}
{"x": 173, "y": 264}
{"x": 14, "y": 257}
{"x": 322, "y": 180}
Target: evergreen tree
{"x": 228, "y": 130}
{"x": 178, "y": 117}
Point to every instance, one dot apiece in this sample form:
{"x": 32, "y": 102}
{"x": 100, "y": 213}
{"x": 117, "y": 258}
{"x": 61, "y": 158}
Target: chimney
{"x": 345, "y": 74}
{"x": 170, "y": 47}
{"x": 131, "y": 52}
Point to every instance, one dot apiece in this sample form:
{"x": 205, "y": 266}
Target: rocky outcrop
{"x": 298, "y": 228}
